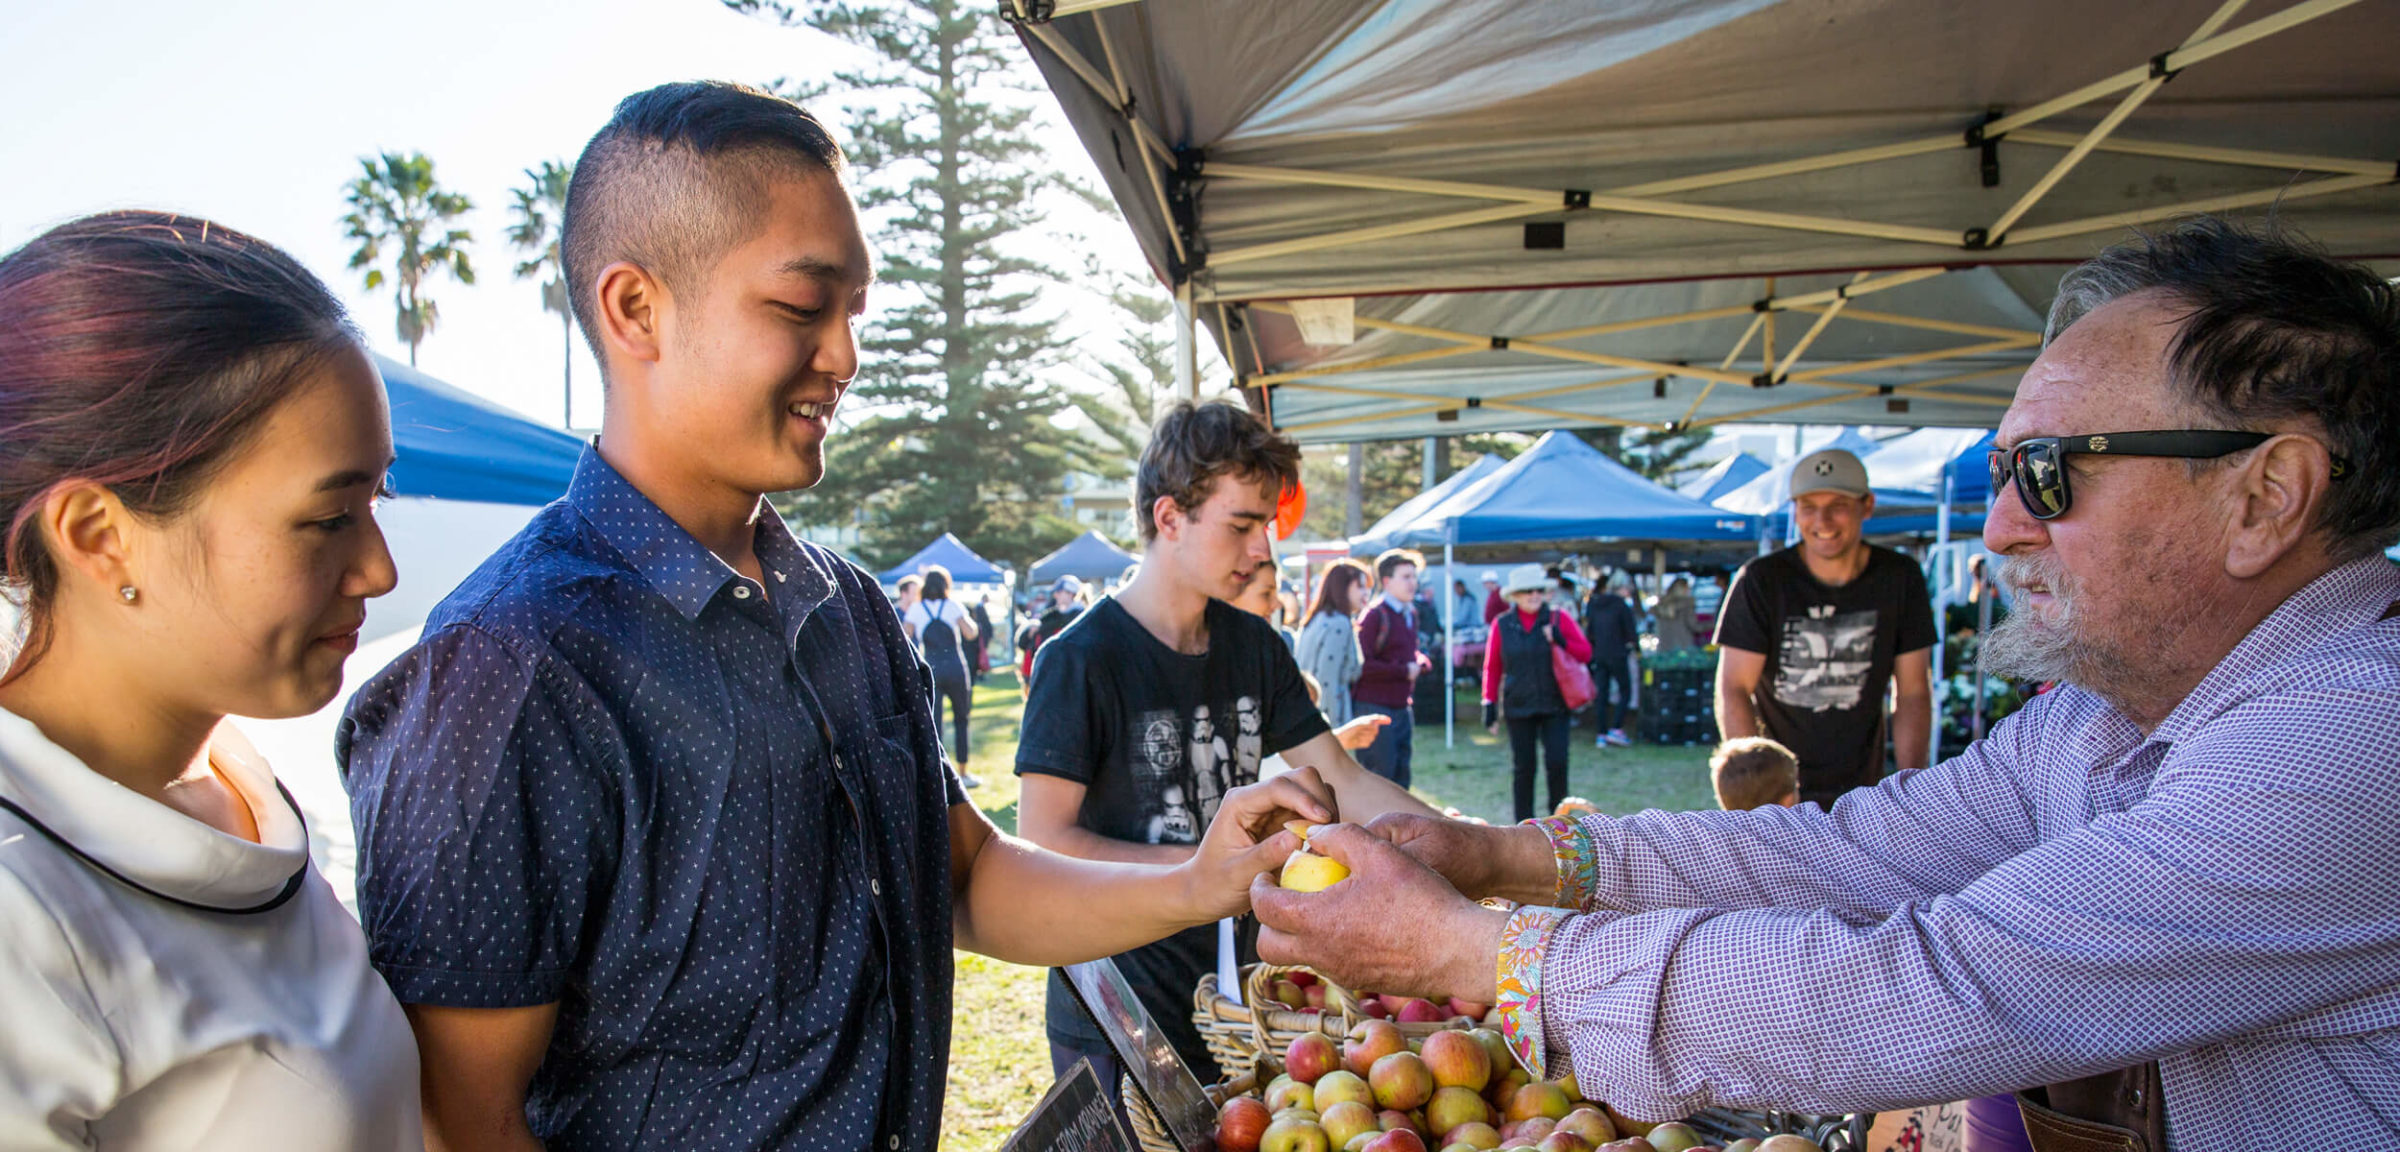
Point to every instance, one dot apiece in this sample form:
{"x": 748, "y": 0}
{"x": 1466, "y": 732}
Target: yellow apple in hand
{"x": 1308, "y": 872}
{"x": 1305, "y": 871}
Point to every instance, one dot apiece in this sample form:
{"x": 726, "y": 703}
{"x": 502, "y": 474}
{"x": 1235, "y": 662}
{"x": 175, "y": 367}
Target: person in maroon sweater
{"x": 1389, "y": 664}
{"x": 1493, "y": 604}
{"x": 1518, "y": 682}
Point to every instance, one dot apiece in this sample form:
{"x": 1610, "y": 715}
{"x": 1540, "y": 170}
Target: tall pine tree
{"x": 953, "y": 425}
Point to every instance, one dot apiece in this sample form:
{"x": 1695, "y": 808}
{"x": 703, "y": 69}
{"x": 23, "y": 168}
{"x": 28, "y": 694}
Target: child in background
{"x": 1752, "y": 772}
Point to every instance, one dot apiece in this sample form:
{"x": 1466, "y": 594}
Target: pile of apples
{"x": 1458, "y": 1091}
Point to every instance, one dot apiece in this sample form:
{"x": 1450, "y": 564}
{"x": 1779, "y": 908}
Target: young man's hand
{"x": 1248, "y": 839}
{"x": 1392, "y": 924}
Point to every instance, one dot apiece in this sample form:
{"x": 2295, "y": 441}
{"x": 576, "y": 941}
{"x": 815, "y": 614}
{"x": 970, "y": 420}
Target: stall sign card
{"x": 1074, "y": 1116}
{"x": 1166, "y": 1083}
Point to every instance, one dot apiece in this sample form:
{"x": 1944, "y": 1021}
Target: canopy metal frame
{"x": 1168, "y": 173}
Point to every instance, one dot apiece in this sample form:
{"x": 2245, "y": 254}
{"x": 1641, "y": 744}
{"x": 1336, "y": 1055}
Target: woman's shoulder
{"x": 44, "y": 893}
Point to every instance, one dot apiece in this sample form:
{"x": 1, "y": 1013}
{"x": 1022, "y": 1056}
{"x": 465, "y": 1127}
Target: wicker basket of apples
{"x": 1462, "y": 1093}
{"x": 1280, "y": 1004}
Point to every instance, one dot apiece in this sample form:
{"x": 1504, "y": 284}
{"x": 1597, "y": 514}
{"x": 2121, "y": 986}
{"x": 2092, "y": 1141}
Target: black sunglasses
{"x": 2039, "y": 464}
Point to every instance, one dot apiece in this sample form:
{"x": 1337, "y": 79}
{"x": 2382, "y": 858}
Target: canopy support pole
{"x": 1187, "y": 345}
{"x": 1941, "y": 551}
{"x": 2116, "y": 220}
{"x": 2133, "y": 100}
{"x": 1783, "y": 370}
{"x": 1450, "y": 643}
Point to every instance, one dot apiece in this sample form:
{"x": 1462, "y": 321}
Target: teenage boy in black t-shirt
{"x": 1160, "y": 698}
{"x": 1809, "y": 636}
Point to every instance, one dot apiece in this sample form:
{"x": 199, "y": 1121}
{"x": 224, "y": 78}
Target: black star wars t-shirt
{"x": 1829, "y": 655}
{"x": 1157, "y": 738}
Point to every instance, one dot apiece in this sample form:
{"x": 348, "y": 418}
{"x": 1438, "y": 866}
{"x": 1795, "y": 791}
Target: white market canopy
{"x": 1496, "y": 215}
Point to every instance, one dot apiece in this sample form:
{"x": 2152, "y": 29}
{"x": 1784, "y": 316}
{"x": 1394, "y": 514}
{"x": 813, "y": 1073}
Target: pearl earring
{"x": 129, "y": 593}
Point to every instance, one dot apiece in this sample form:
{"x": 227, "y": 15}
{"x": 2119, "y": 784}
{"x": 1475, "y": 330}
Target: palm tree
{"x": 396, "y": 201}
{"x": 541, "y": 216}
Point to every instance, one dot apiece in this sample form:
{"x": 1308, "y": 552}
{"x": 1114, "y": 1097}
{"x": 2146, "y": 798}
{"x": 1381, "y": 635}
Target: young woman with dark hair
{"x": 1328, "y": 648}
{"x": 191, "y": 443}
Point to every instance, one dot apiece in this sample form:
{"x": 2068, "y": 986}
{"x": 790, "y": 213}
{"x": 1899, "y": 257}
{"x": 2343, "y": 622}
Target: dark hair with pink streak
{"x": 140, "y": 351}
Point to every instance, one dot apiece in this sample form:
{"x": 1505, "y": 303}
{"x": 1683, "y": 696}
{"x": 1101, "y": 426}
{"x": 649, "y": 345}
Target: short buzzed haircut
{"x": 675, "y": 180}
{"x": 1391, "y": 561}
{"x": 1753, "y": 772}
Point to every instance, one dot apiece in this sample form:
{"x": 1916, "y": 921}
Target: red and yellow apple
{"x": 1310, "y": 1056}
{"x": 1370, "y": 1041}
{"x": 1401, "y": 1081}
{"x": 1540, "y": 1098}
{"x": 1453, "y": 1106}
{"x": 1240, "y": 1124}
{"x": 1456, "y": 1060}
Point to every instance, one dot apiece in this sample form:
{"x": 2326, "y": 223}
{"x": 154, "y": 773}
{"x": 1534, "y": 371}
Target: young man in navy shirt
{"x": 657, "y": 843}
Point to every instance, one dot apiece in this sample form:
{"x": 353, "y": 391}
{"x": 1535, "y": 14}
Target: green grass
{"x": 999, "y": 1056}
{"x": 1475, "y": 777}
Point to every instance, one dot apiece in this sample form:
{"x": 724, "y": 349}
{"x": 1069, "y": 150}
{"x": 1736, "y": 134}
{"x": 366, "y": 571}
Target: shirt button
{"x": 741, "y": 592}
{"x": 893, "y": 1143}
{"x": 875, "y": 886}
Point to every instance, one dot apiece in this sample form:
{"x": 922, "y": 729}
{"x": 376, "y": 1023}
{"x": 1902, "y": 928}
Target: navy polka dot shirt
{"x": 704, "y": 815}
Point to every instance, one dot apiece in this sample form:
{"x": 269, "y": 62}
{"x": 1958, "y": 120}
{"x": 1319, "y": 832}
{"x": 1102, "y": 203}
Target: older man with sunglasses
{"x": 2163, "y": 890}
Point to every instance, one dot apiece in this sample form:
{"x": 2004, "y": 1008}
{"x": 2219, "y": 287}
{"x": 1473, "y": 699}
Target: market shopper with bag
{"x": 2156, "y": 901}
{"x": 1534, "y": 676}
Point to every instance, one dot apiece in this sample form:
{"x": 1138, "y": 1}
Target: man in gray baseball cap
{"x": 1809, "y": 636}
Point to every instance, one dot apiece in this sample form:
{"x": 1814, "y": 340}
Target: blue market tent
{"x": 1384, "y": 533}
{"x": 965, "y": 566}
{"x": 1724, "y": 476}
{"x": 1087, "y": 557}
{"x": 1563, "y": 489}
{"x": 454, "y": 446}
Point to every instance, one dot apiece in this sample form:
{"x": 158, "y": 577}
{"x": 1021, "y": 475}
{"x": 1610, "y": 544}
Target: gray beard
{"x": 2020, "y": 648}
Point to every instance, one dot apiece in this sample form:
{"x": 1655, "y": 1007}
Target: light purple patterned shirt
{"x": 2065, "y": 898}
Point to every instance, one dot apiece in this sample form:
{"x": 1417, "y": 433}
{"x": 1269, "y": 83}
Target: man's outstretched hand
{"x": 1511, "y": 861}
{"x": 1391, "y": 925}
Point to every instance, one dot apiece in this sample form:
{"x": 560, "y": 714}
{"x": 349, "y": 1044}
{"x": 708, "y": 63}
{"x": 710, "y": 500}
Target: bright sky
{"x": 255, "y": 112}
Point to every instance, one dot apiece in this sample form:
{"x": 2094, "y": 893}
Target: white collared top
{"x": 130, "y": 1021}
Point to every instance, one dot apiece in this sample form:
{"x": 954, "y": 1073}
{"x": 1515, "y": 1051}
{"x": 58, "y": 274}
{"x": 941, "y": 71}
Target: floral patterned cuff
{"x": 1578, "y": 875}
{"x": 1523, "y": 940}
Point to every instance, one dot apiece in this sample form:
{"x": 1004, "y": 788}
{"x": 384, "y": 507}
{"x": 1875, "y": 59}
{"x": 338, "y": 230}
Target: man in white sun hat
{"x": 1809, "y": 636}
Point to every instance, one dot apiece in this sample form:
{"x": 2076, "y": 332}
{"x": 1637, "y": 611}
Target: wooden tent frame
{"x": 1160, "y": 165}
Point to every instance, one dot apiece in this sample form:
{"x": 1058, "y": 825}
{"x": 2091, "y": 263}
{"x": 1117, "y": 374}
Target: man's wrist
{"x": 1568, "y": 880}
{"x": 1476, "y": 939}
